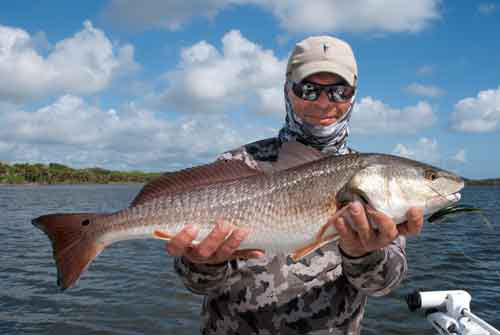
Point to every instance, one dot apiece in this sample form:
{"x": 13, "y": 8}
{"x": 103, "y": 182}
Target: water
{"x": 131, "y": 288}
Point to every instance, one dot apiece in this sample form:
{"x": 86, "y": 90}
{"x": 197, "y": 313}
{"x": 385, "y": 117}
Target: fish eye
{"x": 430, "y": 175}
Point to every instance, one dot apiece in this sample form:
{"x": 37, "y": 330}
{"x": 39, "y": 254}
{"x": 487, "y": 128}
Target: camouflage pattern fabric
{"x": 323, "y": 293}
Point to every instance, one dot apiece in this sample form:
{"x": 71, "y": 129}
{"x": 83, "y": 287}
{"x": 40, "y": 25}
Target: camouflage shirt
{"x": 323, "y": 293}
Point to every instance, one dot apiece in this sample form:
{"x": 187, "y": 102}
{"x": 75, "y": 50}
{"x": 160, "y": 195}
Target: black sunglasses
{"x": 310, "y": 91}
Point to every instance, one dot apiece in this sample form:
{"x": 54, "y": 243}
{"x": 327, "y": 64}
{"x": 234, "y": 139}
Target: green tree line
{"x": 491, "y": 181}
{"x": 55, "y": 173}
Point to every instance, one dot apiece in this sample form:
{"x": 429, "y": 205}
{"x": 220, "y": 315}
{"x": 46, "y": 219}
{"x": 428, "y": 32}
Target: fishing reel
{"x": 449, "y": 312}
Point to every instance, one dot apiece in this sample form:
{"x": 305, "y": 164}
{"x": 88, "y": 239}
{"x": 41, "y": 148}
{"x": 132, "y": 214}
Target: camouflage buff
{"x": 323, "y": 293}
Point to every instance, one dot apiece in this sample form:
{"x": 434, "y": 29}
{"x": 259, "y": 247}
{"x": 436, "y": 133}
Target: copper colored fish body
{"x": 286, "y": 210}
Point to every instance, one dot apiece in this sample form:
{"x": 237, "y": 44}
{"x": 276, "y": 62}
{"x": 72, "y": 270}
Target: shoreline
{"x": 71, "y": 184}
{"x": 467, "y": 183}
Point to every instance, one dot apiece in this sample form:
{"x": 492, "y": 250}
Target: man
{"x": 247, "y": 292}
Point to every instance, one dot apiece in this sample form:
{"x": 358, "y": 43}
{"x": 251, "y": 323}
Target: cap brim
{"x": 308, "y": 69}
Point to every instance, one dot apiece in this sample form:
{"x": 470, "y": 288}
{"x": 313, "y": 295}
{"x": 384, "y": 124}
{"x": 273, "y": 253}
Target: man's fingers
{"x": 229, "y": 246}
{"x": 403, "y": 229}
{"x": 387, "y": 228}
{"x": 213, "y": 241}
{"x": 344, "y": 230}
{"x": 365, "y": 232}
{"x": 178, "y": 245}
{"x": 415, "y": 217}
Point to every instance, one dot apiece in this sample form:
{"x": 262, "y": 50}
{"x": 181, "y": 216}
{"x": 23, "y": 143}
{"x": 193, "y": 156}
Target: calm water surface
{"x": 131, "y": 288}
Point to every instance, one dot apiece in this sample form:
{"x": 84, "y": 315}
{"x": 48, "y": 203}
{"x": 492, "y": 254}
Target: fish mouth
{"x": 442, "y": 200}
{"x": 455, "y": 197}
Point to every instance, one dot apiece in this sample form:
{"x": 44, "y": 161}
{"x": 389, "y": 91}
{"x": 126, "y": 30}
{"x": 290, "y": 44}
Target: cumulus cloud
{"x": 426, "y": 70}
{"x": 429, "y": 91}
{"x": 425, "y": 150}
{"x": 82, "y": 64}
{"x": 294, "y": 16}
{"x": 355, "y": 16}
{"x": 373, "y": 116}
{"x": 74, "y": 132}
{"x": 242, "y": 73}
{"x": 168, "y": 14}
{"x": 487, "y": 8}
{"x": 478, "y": 114}
{"x": 460, "y": 156}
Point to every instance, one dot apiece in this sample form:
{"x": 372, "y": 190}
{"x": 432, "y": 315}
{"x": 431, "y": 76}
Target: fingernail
{"x": 355, "y": 208}
{"x": 245, "y": 231}
{"x": 192, "y": 230}
{"x": 242, "y": 233}
{"x": 225, "y": 228}
{"x": 414, "y": 214}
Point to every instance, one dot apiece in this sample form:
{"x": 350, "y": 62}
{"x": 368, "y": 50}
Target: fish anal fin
{"x": 199, "y": 176}
{"x": 248, "y": 253}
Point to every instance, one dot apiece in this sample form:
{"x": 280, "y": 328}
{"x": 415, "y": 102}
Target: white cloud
{"x": 430, "y": 91}
{"x": 40, "y": 41}
{"x": 242, "y": 73}
{"x": 402, "y": 150}
{"x": 168, "y": 14}
{"x": 82, "y": 64}
{"x": 425, "y": 150}
{"x": 460, "y": 156}
{"x": 373, "y": 116}
{"x": 479, "y": 114}
{"x": 426, "y": 70}
{"x": 71, "y": 131}
{"x": 356, "y": 15}
{"x": 487, "y": 8}
{"x": 294, "y": 15}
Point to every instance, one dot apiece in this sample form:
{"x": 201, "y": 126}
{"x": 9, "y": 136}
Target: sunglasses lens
{"x": 311, "y": 91}
{"x": 339, "y": 93}
{"x": 306, "y": 91}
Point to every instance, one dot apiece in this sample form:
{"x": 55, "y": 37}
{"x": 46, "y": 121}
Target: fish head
{"x": 393, "y": 185}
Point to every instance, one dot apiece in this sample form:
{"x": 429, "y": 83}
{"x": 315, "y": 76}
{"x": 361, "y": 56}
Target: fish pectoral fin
{"x": 160, "y": 235}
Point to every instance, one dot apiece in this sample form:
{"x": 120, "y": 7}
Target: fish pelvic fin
{"x": 72, "y": 248}
{"x": 325, "y": 235}
{"x": 313, "y": 246}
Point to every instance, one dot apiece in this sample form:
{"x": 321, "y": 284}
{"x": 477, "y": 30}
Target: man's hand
{"x": 364, "y": 239}
{"x": 219, "y": 246}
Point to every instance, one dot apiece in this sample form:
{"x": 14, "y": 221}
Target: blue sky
{"x": 161, "y": 85}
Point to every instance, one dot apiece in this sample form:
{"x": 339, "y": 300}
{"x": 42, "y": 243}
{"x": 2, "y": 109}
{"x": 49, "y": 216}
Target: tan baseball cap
{"x": 322, "y": 54}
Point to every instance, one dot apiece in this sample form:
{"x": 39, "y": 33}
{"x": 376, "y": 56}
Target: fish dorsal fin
{"x": 294, "y": 153}
{"x": 195, "y": 177}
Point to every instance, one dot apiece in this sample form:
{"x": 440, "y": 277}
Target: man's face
{"x": 321, "y": 112}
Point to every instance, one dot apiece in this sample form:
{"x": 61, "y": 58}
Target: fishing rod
{"x": 449, "y": 312}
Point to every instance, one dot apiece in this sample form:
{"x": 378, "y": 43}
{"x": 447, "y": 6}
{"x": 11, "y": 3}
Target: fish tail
{"x": 72, "y": 248}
